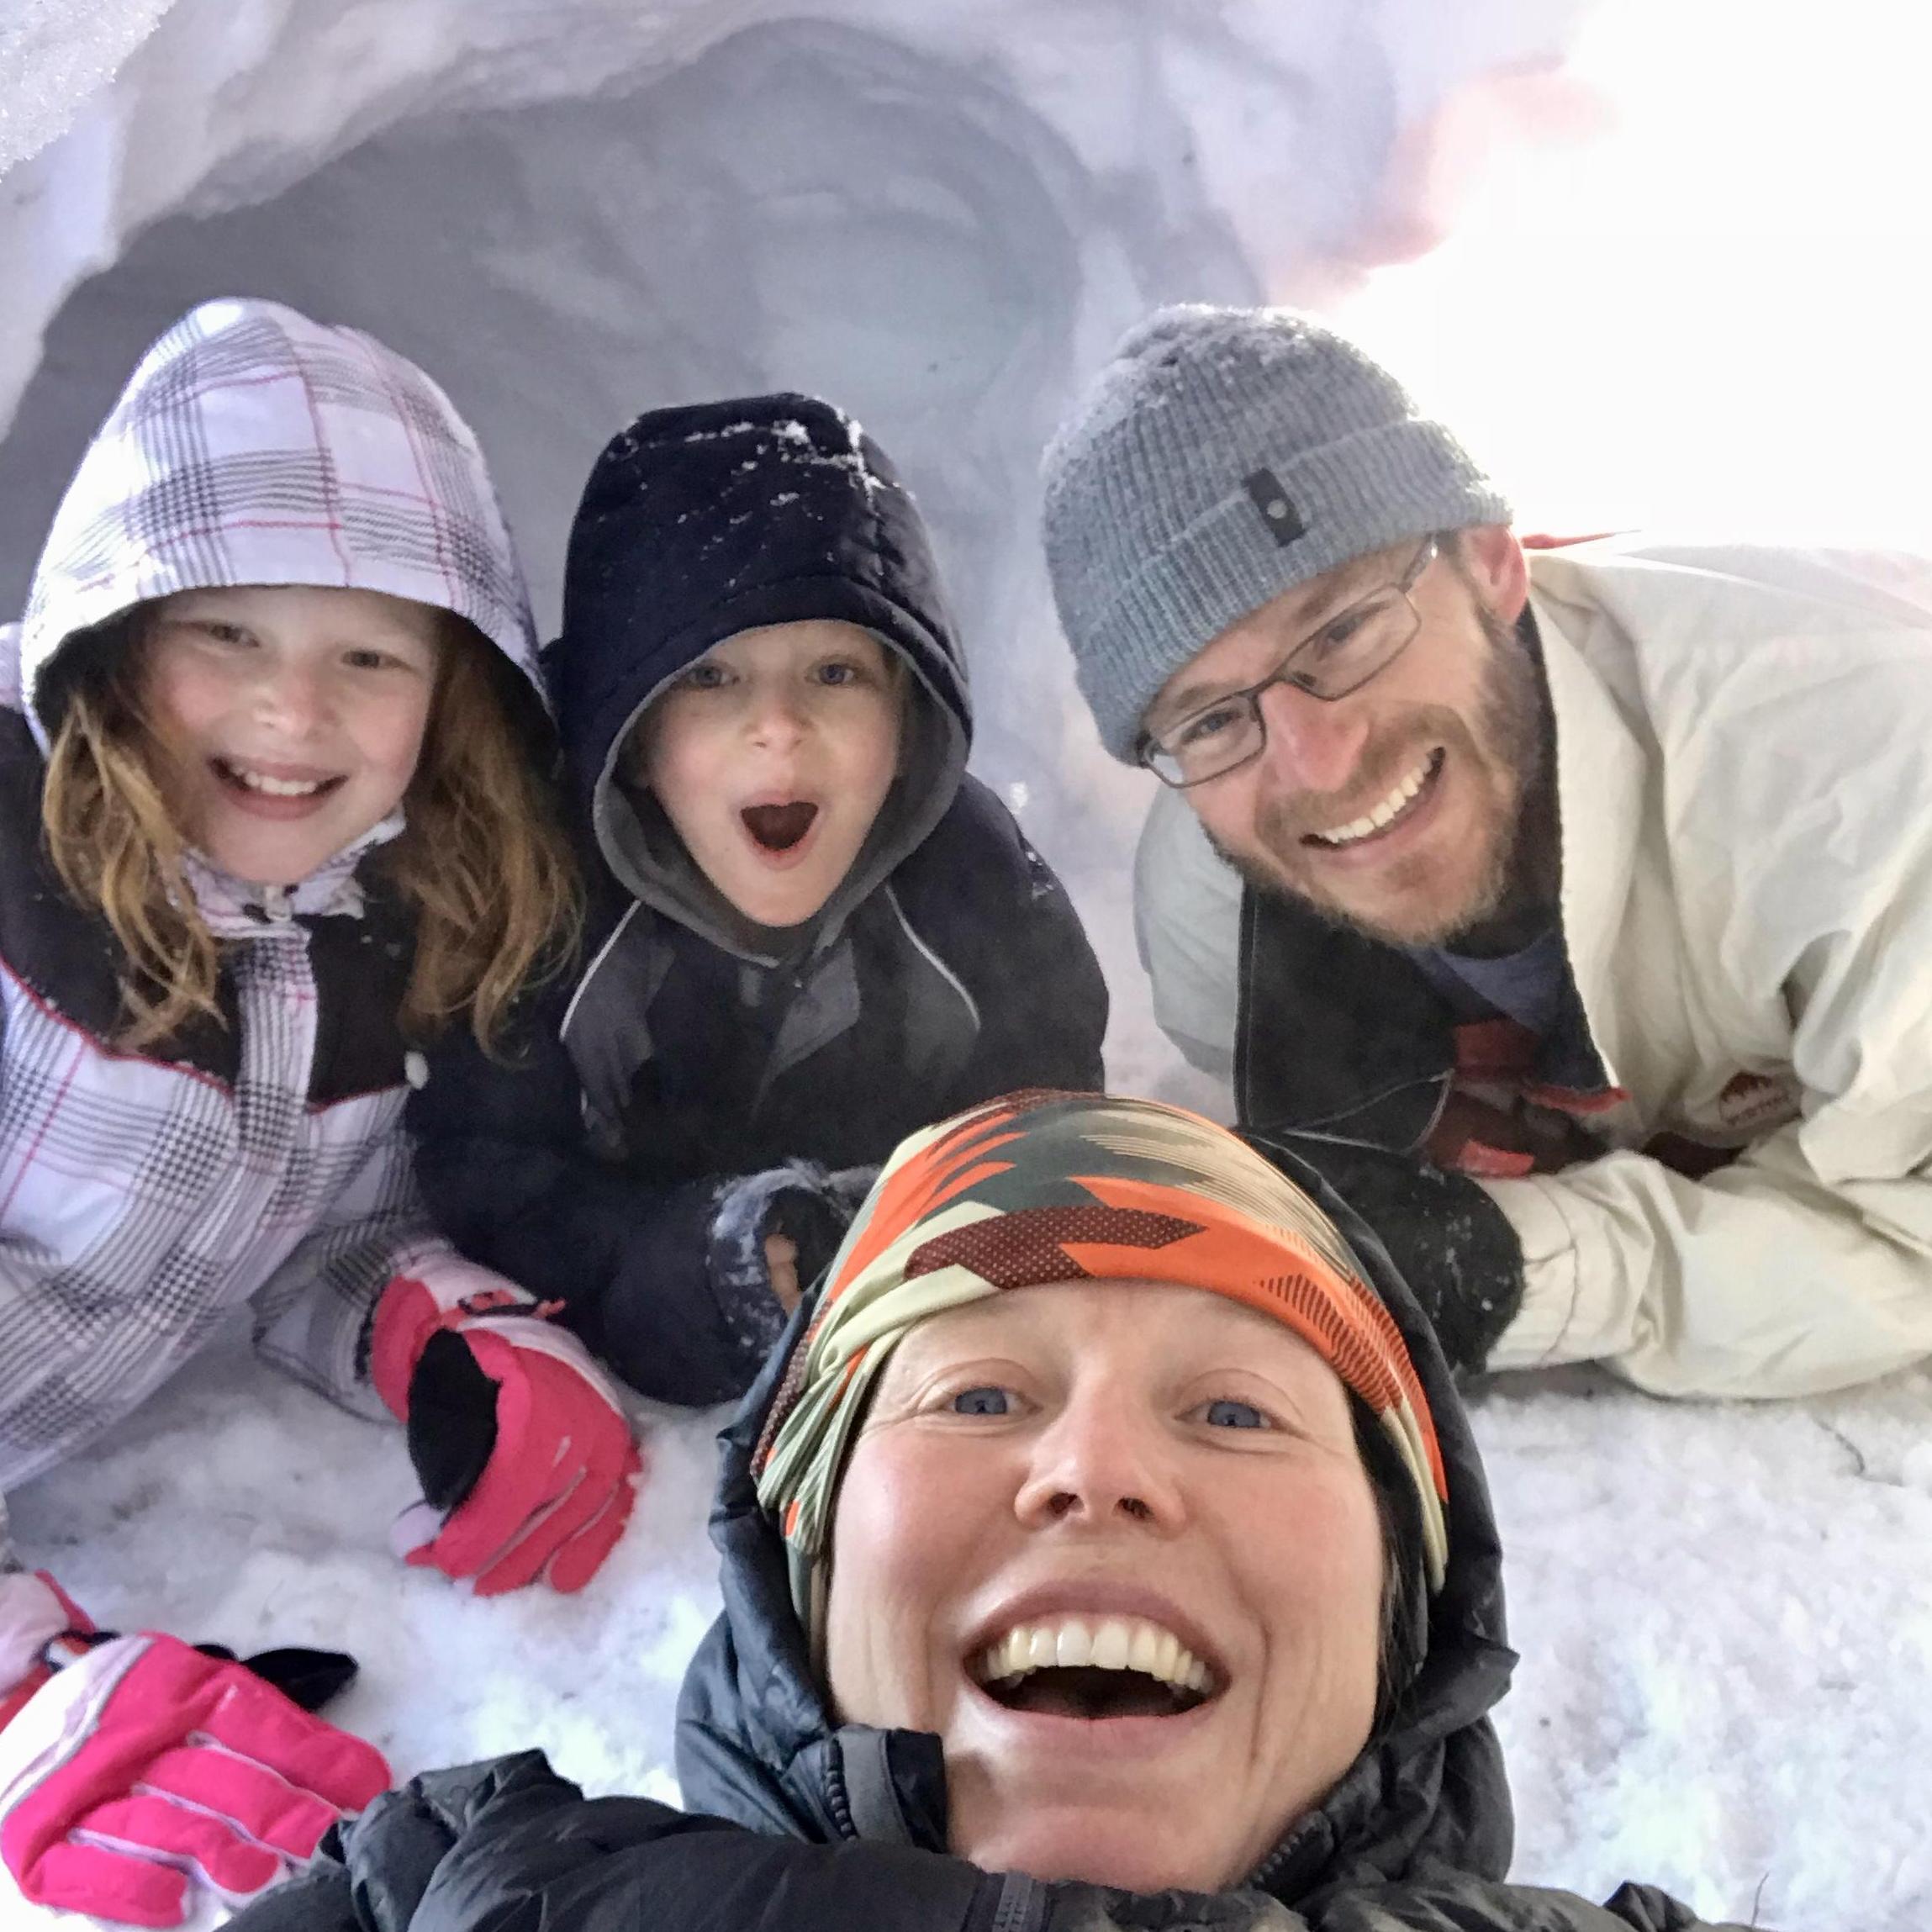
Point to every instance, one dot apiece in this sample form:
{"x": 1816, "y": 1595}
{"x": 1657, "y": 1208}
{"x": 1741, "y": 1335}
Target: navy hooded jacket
{"x": 708, "y": 1081}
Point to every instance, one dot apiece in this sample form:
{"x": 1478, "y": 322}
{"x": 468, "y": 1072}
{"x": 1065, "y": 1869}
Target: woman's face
{"x": 1111, "y": 1474}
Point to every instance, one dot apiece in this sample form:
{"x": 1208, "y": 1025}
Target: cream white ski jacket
{"x": 1743, "y": 756}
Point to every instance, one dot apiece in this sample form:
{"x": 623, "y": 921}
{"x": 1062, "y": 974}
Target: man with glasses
{"x": 1573, "y": 911}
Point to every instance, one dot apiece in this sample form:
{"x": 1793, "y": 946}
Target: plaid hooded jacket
{"x": 144, "y": 1197}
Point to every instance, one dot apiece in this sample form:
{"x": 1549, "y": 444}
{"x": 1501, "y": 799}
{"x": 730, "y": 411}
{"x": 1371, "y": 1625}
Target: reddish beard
{"x": 1506, "y": 756}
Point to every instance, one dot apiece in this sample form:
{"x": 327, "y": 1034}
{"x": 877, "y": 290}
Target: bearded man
{"x": 1572, "y": 911}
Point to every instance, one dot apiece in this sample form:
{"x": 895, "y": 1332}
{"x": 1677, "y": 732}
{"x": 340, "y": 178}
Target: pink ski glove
{"x": 144, "y": 1770}
{"x": 523, "y": 1448}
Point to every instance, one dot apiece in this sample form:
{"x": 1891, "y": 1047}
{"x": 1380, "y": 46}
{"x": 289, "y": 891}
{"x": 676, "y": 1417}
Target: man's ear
{"x": 1493, "y": 561}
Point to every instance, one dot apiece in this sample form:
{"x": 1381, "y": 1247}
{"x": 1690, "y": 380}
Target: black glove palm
{"x": 1451, "y": 1243}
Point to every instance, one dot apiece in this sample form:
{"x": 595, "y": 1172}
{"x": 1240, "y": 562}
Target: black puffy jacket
{"x": 605, "y": 1170}
{"x": 816, "y": 1828}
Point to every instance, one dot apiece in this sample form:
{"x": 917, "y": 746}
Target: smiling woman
{"x": 1044, "y": 1552}
{"x": 1104, "y": 1547}
{"x": 1077, "y": 1352}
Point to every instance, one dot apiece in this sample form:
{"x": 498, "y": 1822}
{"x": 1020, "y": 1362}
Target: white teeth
{"x": 1373, "y": 821}
{"x": 275, "y": 787}
{"x": 1114, "y": 1644}
{"x": 1167, "y": 1664}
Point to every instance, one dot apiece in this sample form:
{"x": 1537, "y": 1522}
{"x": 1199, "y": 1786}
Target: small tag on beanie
{"x": 1276, "y": 506}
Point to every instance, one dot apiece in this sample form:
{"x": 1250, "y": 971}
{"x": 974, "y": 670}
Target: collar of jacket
{"x": 234, "y": 909}
{"x": 606, "y": 1027}
{"x": 1601, "y": 777}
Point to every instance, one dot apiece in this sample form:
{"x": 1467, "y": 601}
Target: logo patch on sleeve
{"x": 1757, "y": 1101}
{"x": 1277, "y": 507}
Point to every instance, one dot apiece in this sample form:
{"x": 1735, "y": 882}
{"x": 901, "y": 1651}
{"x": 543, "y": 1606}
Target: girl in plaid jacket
{"x": 269, "y": 819}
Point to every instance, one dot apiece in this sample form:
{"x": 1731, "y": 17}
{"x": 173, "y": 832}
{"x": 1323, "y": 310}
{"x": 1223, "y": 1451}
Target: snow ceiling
{"x": 940, "y": 213}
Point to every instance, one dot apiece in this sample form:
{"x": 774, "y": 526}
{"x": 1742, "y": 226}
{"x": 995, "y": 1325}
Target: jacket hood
{"x": 704, "y": 520}
{"x": 756, "y": 1743}
{"x": 252, "y": 446}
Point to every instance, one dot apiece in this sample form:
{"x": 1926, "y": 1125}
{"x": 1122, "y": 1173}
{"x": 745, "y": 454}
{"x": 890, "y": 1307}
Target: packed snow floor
{"x": 1726, "y": 1684}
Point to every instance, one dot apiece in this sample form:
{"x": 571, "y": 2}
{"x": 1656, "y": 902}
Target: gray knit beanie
{"x": 1225, "y": 455}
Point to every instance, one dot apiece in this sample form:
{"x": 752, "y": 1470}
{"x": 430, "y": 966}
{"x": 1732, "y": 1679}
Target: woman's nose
{"x": 1313, "y": 744}
{"x": 1102, "y": 1460}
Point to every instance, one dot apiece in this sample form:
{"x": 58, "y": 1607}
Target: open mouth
{"x": 247, "y": 780}
{"x": 1120, "y": 1667}
{"x": 1403, "y": 798}
{"x": 779, "y": 827}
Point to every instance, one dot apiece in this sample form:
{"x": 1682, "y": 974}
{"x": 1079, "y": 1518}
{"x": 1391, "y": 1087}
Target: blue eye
{"x": 837, "y": 674}
{"x": 982, "y": 1402}
{"x": 1224, "y": 1414}
{"x": 703, "y": 677}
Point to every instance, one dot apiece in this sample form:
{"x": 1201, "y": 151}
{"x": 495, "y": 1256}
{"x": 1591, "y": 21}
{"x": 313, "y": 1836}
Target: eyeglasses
{"x": 1353, "y": 646}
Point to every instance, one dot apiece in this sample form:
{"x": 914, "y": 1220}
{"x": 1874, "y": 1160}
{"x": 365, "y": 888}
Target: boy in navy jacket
{"x": 815, "y": 933}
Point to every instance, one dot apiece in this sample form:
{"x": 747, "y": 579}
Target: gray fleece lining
{"x": 641, "y": 848}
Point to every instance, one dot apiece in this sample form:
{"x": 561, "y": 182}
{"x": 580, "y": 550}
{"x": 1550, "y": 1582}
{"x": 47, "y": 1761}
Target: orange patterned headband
{"x": 1047, "y": 1187}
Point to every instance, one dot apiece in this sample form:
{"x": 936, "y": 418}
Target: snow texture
{"x": 1722, "y": 1614}
{"x": 941, "y": 214}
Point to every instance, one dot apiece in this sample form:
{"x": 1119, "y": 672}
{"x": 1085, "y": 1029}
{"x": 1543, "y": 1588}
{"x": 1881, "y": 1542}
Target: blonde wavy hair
{"x": 482, "y": 862}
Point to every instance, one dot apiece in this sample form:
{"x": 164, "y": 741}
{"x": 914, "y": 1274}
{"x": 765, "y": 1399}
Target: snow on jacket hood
{"x": 252, "y": 446}
{"x": 1427, "y": 1796}
{"x": 704, "y": 520}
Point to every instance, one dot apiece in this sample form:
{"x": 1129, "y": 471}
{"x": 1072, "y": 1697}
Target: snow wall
{"x": 940, "y": 213}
